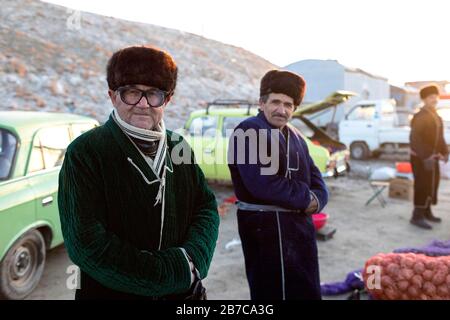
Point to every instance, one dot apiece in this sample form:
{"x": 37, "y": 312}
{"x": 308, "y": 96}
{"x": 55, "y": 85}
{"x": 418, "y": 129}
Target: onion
{"x": 417, "y": 281}
{"x": 419, "y": 268}
{"x": 439, "y": 277}
{"x": 403, "y": 285}
{"x": 430, "y": 264}
{"x": 393, "y": 269}
{"x": 406, "y": 274}
{"x": 443, "y": 290}
{"x": 391, "y": 293}
{"x": 413, "y": 292}
{"x": 429, "y": 288}
{"x": 407, "y": 262}
{"x": 386, "y": 281}
{"x": 427, "y": 275}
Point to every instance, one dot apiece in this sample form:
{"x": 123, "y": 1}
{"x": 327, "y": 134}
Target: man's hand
{"x": 442, "y": 157}
{"x": 313, "y": 206}
{"x": 434, "y": 157}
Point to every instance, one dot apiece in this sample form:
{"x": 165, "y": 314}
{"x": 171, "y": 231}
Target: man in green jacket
{"x": 139, "y": 223}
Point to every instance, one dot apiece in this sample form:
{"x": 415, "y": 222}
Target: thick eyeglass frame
{"x": 144, "y": 93}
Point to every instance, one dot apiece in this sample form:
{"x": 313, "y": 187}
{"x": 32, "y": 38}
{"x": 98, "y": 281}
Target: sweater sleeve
{"x": 284, "y": 192}
{"x": 108, "y": 259}
{"x": 204, "y": 229}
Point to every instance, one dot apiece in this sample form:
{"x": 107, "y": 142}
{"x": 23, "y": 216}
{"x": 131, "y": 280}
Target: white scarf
{"x": 147, "y": 135}
{"x": 158, "y": 165}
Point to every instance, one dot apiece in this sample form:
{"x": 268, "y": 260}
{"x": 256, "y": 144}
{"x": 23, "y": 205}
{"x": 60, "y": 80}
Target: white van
{"x": 372, "y": 126}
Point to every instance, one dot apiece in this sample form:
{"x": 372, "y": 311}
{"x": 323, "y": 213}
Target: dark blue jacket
{"x": 292, "y": 193}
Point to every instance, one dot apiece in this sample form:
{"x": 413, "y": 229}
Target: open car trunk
{"x": 318, "y": 135}
{"x": 321, "y": 137}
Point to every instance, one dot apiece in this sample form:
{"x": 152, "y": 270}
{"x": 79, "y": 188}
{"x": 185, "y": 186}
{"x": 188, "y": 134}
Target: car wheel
{"x": 22, "y": 266}
{"x": 359, "y": 151}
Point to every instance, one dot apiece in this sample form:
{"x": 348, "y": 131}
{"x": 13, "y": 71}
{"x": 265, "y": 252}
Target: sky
{"x": 402, "y": 40}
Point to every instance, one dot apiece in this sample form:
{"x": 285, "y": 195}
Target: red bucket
{"x": 319, "y": 220}
{"x": 403, "y": 167}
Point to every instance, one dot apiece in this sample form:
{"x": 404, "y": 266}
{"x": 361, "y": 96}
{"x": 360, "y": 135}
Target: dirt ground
{"x": 362, "y": 231}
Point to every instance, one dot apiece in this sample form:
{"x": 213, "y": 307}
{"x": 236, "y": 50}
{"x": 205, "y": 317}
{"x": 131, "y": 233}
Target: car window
{"x": 229, "y": 124}
{"x": 8, "y": 143}
{"x": 302, "y": 127}
{"x": 80, "y": 128}
{"x": 203, "y": 126}
{"x": 36, "y": 158}
{"x": 49, "y": 148}
{"x": 364, "y": 112}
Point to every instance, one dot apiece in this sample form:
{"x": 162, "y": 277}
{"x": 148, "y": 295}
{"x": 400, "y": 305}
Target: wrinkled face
{"x": 141, "y": 114}
{"x": 278, "y": 109}
{"x": 431, "y": 101}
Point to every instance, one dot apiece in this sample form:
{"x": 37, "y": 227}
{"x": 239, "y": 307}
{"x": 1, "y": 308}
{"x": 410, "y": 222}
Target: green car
{"x": 208, "y": 132}
{"x": 32, "y": 148}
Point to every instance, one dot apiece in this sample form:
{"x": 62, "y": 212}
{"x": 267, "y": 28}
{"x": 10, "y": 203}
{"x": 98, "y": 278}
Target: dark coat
{"x": 279, "y": 248}
{"x": 426, "y": 139}
{"x": 427, "y": 134}
{"x": 112, "y": 229}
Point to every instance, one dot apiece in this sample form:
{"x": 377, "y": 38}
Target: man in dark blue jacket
{"x": 278, "y": 188}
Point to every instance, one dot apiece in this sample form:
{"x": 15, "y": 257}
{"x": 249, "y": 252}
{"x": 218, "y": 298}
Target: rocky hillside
{"x": 53, "y": 59}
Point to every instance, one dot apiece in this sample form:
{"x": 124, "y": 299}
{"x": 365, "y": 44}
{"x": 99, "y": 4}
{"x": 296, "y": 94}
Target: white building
{"x": 326, "y": 76}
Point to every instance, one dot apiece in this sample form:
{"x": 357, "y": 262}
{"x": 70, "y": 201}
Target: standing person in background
{"x": 428, "y": 146}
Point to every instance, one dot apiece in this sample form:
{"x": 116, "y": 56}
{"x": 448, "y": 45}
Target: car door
{"x": 360, "y": 124}
{"x": 202, "y": 138}
{"x": 17, "y": 210}
{"x": 47, "y": 156}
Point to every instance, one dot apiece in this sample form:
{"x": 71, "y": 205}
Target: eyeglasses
{"x": 131, "y": 96}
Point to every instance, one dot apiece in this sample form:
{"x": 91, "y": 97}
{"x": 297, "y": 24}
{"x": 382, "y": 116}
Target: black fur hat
{"x": 286, "y": 82}
{"x": 429, "y": 90}
{"x": 142, "y": 65}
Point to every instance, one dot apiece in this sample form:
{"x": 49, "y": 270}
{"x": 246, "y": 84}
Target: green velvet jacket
{"x": 111, "y": 227}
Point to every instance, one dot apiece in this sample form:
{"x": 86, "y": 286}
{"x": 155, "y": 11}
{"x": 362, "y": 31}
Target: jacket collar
{"x": 129, "y": 150}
